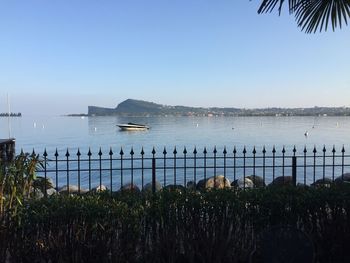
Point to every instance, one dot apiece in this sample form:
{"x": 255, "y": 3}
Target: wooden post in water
{"x": 7, "y": 150}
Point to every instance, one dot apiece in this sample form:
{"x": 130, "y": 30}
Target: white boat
{"x": 132, "y": 127}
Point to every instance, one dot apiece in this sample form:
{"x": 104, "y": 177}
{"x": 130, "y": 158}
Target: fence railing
{"x": 115, "y": 170}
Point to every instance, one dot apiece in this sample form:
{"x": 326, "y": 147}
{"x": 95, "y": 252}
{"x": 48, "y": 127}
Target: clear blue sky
{"x": 58, "y": 57}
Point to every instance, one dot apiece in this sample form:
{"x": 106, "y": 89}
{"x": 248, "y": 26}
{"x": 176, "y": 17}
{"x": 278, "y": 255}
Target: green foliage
{"x": 174, "y": 226}
{"x": 312, "y": 15}
{"x": 16, "y": 181}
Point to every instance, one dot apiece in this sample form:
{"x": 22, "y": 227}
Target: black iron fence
{"x": 84, "y": 171}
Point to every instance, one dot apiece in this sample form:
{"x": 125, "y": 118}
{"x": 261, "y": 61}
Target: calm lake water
{"x": 75, "y": 133}
{"x": 95, "y": 132}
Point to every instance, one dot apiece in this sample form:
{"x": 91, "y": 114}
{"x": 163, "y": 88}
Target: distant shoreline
{"x": 77, "y": 115}
{"x": 169, "y": 115}
{"x": 11, "y": 114}
{"x": 140, "y": 108}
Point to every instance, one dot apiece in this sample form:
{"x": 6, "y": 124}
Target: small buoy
{"x": 197, "y": 124}
{"x": 306, "y": 133}
{"x": 95, "y": 129}
{"x": 34, "y": 124}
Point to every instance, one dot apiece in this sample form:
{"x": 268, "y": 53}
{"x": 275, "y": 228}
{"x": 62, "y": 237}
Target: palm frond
{"x": 268, "y": 6}
{"x": 313, "y": 15}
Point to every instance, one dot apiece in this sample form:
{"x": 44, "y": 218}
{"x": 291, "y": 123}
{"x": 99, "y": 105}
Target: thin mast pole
{"x": 8, "y": 118}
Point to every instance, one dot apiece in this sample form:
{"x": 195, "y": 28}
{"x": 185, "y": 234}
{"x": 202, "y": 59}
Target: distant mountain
{"x": 131, "y": 107}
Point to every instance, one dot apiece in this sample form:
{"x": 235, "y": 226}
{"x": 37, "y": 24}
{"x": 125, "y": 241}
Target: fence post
{"x": 294, "y": 170}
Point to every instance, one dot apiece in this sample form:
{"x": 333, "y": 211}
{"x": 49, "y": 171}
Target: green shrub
{"x": 174, "y": 226}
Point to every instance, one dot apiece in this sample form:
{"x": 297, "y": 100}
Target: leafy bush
{"x": 16, "y": 181}
{"x": 174, "y": 226}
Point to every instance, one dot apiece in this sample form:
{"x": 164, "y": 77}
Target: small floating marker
{"x": 197, "y": 125}
{"x": 306, "y": 134}
{"x": 95, "y": 129}
{"x": 34, "y": 124}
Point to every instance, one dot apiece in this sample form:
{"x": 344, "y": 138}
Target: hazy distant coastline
{"x": 6, "y": 114}
{"x": 139, "y": 108}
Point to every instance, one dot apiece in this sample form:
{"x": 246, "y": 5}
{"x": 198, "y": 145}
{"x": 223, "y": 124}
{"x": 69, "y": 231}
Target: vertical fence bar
{"x": 132, "y": 166}
{"x": 224, "y": 152}
{"x": 164, "y": 166}
{"x": 67, "y": 160}
{"x": 283, "y": 159}
{"x": 185, "y": 179}
{"x": 111, "y": 169}
{"x": 294, "y": 150}
{"x": 205, "y": 163}
{"x": 234, "y": 163}
{"x": 175, "y": 152}
{"x": 273, "y": 163}
{"x": 215, "y": 151}
{"x": 142, "y": 168}
{"x": 153, "y": 171}
{"x": 314, "y": 175}
{"x": 121, "y": 167}
{"x": 244, "y": 153}
{"x": 305, "y": 151}
{"x": 333, "y": 162}
{"x": 100, "y": 167}
{"x": 89, "y": 157}
{"x": 342, "y": 163}
{"x": 56, "y": 169}
{"x": 254, "y": 153}
{"x": 294, "y": 170}
{"x": 78, "y": 157}
{"x": 264, "y": 164}
{"x": 45, "y": 173}
{"x": 195, "y": 166}
{"x": 324, "y": 164}
{"x": 294, "y": 155}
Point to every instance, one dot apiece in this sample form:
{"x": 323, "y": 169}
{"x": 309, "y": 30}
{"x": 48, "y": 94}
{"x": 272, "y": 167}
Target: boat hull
{"x": 132, "y": 127}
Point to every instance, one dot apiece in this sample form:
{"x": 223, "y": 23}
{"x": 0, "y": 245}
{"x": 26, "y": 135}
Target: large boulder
{"x": 258, "y": 181}
{"x": 282, "y": 181}
{"x": 129, "y": 187}
{"x": 217, "y": 182}
{"x": 324, "y": 182}
{"x": 99, "y": 188}
{"x": 148, "y": 187}
{"x": 201, "y": 184}
{"x": 173, "y": 187}
{"x": 241, "y": 183}
{"x": 345, "y": 178}
{"x": 191, "y": 185}
{"x": 51, "y": 191}
{"x": 73, "y": 189}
